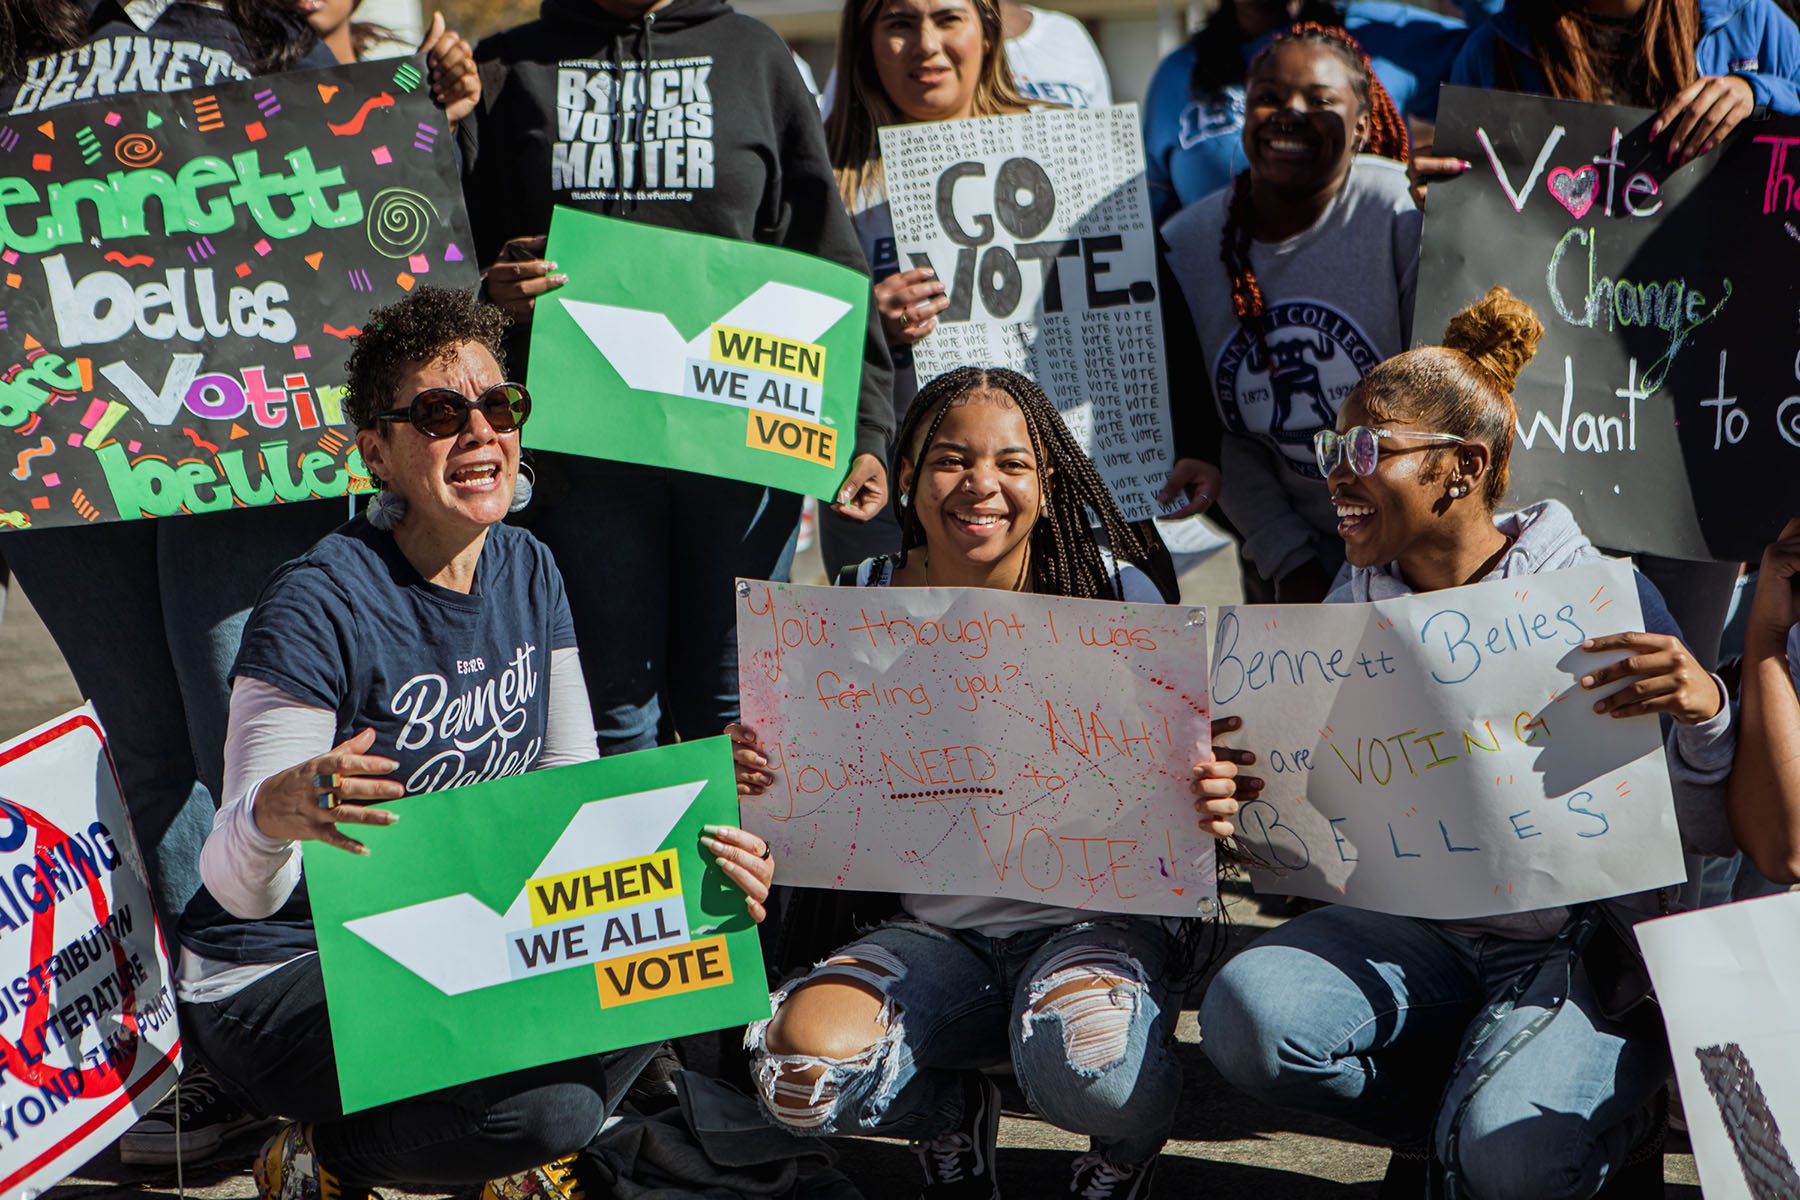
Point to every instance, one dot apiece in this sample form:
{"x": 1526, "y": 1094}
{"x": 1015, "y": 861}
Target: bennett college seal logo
{"x": 1292, "y": 383}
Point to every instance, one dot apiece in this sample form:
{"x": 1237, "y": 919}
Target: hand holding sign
{"x": 288, "y": 805}
{"x": 455, "y": 83}
{"x": 1703, "y": 114}
{"x": 520, "y": 275}
{"x": 1668, "y": 679}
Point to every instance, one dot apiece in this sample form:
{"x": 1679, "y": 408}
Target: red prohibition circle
{"x": 108, "y": 1076}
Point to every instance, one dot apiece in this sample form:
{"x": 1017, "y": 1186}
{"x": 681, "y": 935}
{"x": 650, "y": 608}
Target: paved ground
{"x": 1225, "y": 1145}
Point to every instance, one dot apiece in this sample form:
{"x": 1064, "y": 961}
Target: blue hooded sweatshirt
{"x": 1751, "y": 38}
{"x": 1194, "y": 146}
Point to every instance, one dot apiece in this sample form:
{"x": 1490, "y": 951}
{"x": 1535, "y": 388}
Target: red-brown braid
{"x": 1387, "y": 139}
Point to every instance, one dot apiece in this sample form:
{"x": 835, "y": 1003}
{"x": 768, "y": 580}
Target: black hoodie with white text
{"x": 715, "y": 133}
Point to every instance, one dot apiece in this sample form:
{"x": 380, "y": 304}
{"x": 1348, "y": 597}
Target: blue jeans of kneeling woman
{"x": 955, "y": 1000}
{"x": 1360, "y": 1016}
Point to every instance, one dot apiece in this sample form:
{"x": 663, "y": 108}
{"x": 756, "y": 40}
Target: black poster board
{"x": 180, "y": 275}
{"x": 1663, "y": 405}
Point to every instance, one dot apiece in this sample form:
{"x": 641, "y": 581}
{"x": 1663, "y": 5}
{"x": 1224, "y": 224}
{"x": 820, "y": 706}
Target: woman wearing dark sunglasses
{"x": 423, "y": 646}
{"x": 1366, "y": 1017}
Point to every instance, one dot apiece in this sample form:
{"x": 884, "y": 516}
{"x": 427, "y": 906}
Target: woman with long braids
{"x": 887, "y": 1035}
{"x": 1194, "y": 109}
{"x": 1706, "y": 66}
{"x": 1320, "y": 243}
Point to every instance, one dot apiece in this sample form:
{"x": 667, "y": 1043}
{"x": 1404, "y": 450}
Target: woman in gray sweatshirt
{"x": 1401, "y": 1025}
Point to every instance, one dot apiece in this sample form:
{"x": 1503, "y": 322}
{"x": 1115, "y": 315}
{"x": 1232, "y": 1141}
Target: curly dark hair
{"x": 1065, "y": 555}
{"x": 418, "y": 329}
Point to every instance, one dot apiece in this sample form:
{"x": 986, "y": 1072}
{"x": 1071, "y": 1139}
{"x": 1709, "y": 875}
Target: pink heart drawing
{"x": 1575, "y": 190}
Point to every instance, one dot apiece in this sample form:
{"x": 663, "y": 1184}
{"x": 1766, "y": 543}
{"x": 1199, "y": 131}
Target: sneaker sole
{"x": 162, "y": 1152}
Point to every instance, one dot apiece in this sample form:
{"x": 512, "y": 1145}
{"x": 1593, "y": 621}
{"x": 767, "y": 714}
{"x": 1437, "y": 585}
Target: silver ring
{"x": 905, "y": 319}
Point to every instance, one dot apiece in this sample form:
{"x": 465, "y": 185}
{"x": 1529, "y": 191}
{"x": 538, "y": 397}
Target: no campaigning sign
{"x": 179, "y": 278}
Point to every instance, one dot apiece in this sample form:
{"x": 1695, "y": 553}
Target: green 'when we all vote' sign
{"x": 534, "y": 919}
{"x": 711, "y": 355}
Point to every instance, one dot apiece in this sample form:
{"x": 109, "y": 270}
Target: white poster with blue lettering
{"x": 1435, "y": 755}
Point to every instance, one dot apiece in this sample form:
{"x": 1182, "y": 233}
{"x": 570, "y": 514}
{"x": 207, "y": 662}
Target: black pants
{"x": 271, "y": 1043}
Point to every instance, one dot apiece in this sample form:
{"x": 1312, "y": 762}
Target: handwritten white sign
{"x": 974, "y": 742}
{"x": 1434, "y": 756}
{"x": 1039, "y": 226}
{"x": 88, "y": 1038}
{"x": 1729, "y": 985}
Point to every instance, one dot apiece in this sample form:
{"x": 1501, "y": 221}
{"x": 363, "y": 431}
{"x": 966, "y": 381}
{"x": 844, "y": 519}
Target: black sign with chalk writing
{"x": 1663, "y": 405}
{"x": 179, "y": 278}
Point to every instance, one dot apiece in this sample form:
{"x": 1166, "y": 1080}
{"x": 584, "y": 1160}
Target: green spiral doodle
{"x": 399, "y": 222}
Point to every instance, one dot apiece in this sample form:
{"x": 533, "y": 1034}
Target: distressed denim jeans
{"x": 1095, "y": 1062}
{"x": 1360, "y": 1016}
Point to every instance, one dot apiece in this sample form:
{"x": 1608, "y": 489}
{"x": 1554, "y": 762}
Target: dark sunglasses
{"x": 444, "y": 412}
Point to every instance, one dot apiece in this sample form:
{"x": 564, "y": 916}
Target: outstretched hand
{"x": 288, "y": 806}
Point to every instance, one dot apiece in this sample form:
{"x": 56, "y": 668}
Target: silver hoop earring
{"x": 522, "y": 487}
{"x": 385, "y": 510}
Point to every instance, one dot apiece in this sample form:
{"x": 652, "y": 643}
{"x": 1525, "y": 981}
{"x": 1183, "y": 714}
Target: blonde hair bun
{"x": 1500, "y": 332}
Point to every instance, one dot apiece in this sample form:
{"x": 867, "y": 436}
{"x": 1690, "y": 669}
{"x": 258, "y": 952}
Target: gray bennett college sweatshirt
{"x": 1546, "y": 538}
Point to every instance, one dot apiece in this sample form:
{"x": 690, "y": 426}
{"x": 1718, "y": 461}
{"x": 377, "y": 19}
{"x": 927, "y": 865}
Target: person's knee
{"x": 831, "y": 1038}
{"x": 1236, "y": 1032}
{"x": 552, "y": 1122}
{"x": 1088, "y": 1052}
{"x": 1548, "y": 1156}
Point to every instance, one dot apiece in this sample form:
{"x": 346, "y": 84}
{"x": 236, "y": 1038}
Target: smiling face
{"x": 462, "y": 482}
{"x": 1384, "y": 515}
{"x": 1302, "y": 119}
{"x": 978, "y": 492}
{"x": 928, "y": 56}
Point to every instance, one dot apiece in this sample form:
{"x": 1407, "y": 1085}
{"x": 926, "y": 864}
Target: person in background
{"x": 1194, "y": 110}
{"x": 1053, "y": 58}
{"x": 1706, "y": 66}
{"x": 1764, "y": 790}
{"x": 348, "y": 39}
{"x": 1490, "y": 1052}
{"x": 650, "y": 552}
{"x": 887, "y": 1035}
{"x": 125, "y": 592}
{"x": 428, "y": 586}
{"x": 1319, "y": 239}
{"x": 1051, "y": 55}
{"x": 901, "y": 61}
{"x": 935, "y": 60}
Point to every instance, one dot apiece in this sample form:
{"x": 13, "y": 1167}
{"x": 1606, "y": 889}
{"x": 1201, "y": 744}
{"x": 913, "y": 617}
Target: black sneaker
{"x": 960, "y": 1165}
{"x": 1091, "y": 1177}
{"x": 195, "y": 1121}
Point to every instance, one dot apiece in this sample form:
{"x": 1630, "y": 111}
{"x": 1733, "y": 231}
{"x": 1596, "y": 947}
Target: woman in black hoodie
{"x": 735, "y": 149}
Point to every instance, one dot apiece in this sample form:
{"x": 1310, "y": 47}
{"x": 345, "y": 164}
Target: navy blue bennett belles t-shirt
{"x": 455, "y": 686}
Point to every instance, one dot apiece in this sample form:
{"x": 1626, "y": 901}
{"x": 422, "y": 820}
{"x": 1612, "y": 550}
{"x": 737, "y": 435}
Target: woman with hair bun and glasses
{"x": 1504, "y": 1054}
{"x": 428, "y": 593}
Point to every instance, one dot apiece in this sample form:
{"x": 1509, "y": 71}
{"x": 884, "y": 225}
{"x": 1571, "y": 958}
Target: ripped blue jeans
{"x": 1083, "y": 1012}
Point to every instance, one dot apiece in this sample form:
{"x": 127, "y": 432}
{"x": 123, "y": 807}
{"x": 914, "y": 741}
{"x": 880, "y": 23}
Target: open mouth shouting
{"x": 476, "y": 477}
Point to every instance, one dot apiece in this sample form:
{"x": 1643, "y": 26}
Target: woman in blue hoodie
{"x": 1378, "y": 1019}
{"x": 1194, "y": 110}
